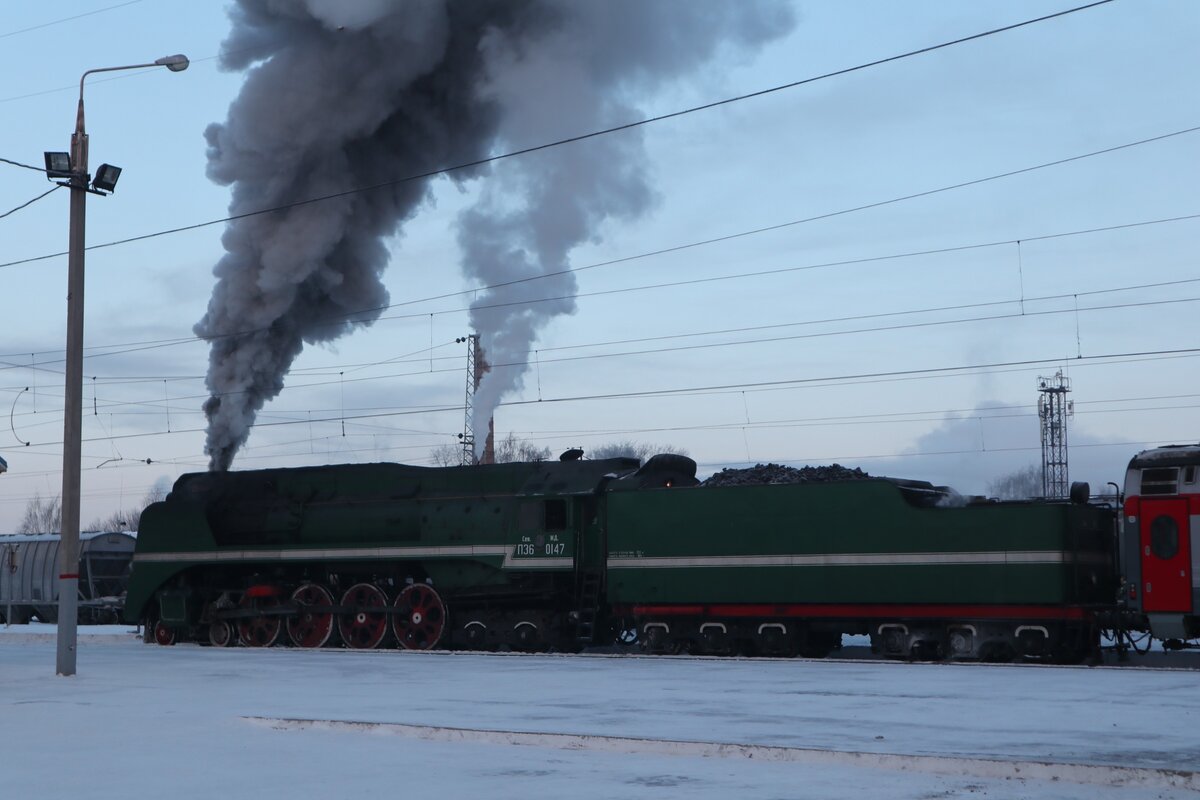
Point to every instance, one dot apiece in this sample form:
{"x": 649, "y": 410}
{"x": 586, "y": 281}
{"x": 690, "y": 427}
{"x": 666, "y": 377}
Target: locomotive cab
{"x": 1162, "y": 562}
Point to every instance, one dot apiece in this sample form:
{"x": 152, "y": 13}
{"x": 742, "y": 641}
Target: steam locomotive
{"x": 569, "y": 554}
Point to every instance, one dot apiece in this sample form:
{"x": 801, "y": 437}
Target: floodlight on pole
{"x": 80, "y": 184}
{"x": 58, "y": 165}
{"x": 106, "y": 178}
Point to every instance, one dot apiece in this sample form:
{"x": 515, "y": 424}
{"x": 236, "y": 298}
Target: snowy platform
{"x": 192, "y": 722}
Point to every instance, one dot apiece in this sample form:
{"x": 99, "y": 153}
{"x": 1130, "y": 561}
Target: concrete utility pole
{"x": 80, "y": 183}
{"x": 1053, "y": 410}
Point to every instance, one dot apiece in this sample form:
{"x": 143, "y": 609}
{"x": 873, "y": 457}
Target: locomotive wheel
{"x": 220, "y": 633}
{"x": 526, "y": 636}
{"x": 311, "y": 628}
{"x": 363, "y": 629}
{"x": 263, "y": 630}
{"x": 163, "y": 634}
{"x": 420, "y": 617}
{"x": 474, "y": 635}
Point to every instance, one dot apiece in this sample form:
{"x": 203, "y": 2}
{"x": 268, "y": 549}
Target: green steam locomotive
{"x": 575, "y": 553}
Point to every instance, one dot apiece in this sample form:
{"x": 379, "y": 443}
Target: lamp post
{"x": 79, "y": 181}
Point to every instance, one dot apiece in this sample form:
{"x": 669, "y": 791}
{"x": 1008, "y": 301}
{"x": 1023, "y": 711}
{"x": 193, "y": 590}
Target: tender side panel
{"x": 848, "y": 543}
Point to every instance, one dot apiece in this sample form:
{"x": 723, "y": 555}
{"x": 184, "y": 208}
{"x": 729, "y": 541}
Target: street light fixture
{"x": 78, "y": 180}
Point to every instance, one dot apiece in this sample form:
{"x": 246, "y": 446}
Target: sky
{"x": 905, "y": 338}
{"x": 450, "y": 725}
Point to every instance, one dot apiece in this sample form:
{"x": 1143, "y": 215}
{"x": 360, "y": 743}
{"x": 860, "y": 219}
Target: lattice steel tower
{"x": 473, "y": 375}
{"x": 1054, "y": 409}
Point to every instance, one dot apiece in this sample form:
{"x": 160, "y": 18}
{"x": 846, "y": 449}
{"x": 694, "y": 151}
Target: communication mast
{"x": 1054, "y": 409}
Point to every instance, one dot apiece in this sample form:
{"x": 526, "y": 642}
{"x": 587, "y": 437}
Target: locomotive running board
{"x": 1092, "y": 774}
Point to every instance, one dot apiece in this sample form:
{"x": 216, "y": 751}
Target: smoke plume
{"x": 342, "y": 95}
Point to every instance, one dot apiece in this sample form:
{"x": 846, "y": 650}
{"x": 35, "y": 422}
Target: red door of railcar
{"x": 1166, "y": 554}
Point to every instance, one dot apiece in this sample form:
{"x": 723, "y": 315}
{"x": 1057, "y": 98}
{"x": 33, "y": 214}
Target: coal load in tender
{"x": 778, "y": 473}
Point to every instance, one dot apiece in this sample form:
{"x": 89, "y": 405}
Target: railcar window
{"x": 1189, "y": 474}
{"x": 1164, "y": 537}
{"x": 556, "y": 515}
{"x": 1160, "y": 480}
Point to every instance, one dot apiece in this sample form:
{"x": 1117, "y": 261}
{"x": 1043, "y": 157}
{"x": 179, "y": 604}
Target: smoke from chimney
{"x": 342, "y": 95}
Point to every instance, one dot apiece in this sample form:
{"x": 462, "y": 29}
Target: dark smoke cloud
{"x": 341, "y": 95}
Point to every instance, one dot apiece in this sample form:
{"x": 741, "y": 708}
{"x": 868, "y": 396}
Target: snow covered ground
{"x": 187, "y": 722}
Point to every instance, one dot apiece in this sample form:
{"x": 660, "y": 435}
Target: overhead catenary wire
{"x": 852, "y": 378}
{"x": 1075, "y": 310}
{"x": 123, "y": 348}
{"x": 629, "y": 126}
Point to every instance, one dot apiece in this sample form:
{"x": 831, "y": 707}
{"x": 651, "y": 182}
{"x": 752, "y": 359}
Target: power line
{"x": 130, "y": 347}
{"x": 31, "y": 202}
{"x": 128, "y": 380}
{"x": 857, "y": 378}
{"x": 788, "y": 383}
{"x": 624, "y": 127}
{"x": 1074, "y": 310}
{"x": 19, "y": 164}
{"x": 68, "y": 19}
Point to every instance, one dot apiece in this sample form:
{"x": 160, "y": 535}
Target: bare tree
{"x": 510, "y": 448}
{"x": 631, "y": 449}
{"x": 1020, "y": 485}
{"x": 42, "y": 515}
{"x": 130, "y": 518}
{"x": 446, "y": 455}
{"x": 513, "y": 448}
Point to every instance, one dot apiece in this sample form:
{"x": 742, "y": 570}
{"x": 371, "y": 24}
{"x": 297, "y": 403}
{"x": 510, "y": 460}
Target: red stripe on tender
{"x": 864, "y": 610}
{"x": 69, "y": 576}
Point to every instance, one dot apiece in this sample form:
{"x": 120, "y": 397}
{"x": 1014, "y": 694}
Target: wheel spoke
{"x": 311, "y": 628}
{"x": 163, "y": 634}
{"x": 420, "y": 617}
{"x": 220, "y": 633}
{"x": 360, "y": 627}
{"x": 262, "y": 630}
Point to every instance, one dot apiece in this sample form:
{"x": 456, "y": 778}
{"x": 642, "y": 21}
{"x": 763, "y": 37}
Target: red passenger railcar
{"x": 1160, "y": 550}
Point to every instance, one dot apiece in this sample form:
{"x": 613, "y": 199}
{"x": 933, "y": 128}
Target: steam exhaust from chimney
{"x": 340, "y": 96}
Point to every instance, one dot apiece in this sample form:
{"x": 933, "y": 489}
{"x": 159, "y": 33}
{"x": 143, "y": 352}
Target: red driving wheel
{"x": 420, "y": 617}
{"x": 261, "y": 630}
{"x": 361, "y": 627}
{"x": 311, "y": 628}
{"x": 163, "y": 634}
